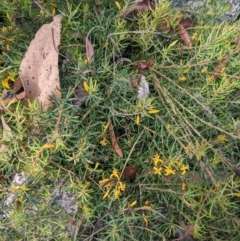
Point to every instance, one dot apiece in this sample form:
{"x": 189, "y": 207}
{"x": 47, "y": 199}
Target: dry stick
{"x": 42, "y": 8}
{"x": 54, "y": 45}
{"x": 203, "y": 166}
{"x": 190, "y": 112}
{"x": 9, "y": 67}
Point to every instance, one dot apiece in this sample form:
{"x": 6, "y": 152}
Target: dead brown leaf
{"x": 143, "y": 5}
{"x": 17, "y": 85}
{"x": 114, "y": 142}
{"x": 13, "y": 99}
{"x": 189, "y": 230}
{"x": 146, "y": 65}
{"x": 187, "y": 23}
{"x": 39, "y": 68}
{"x": 219, "y": 66}
{"x": 129, "y": 172}
{"x": 184, "y": 35}
{"x": 80, "y": 98}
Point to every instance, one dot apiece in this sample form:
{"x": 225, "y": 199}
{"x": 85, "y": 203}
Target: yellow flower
{"x": 87, "y": 61}
{"x": 223, "y": 70}
{"x": 137, "y": 121}
{"x": 103, "y": 142}
{"x": 54, "y": 6}
{"x": 19, "y": 188}
{"x": 169, "y": 171}
{"x": 133, "y": 204}
{"x": 85, "y": 86}
{"x": 5, "y": 82}
{"x": 204, "y": 70}
{"x": 48, "y": 146}
{"x": 41, "y": 13}
{"x": 210, "y": 79}
{"x": 194, "y": 37}
{"x": 104, "y": 182}
{"x": 183, "y": 169}
{"x": 183, "y": 186}
{"x": 115, "y": 173}
{"x": 157, "y": 159}
{"x": 147, "y": 205}
{"x": 153, "y": 111}
{"x": 157, "y": 170}
{"x": 8, "y": 17}
{"x": 85, "y": 208}
{"x": 90, "y": 87}
{"x": 179, "y": 162}
{"x": 222, "y": 139}
{"x": 121, "y": 186}
{"x": 118, "y": 5}
{"x": 96, "y": 165}
{"x": 105, "y": 45}
{"x": 117, "y": 193}
{"x": 53, "y": 11}
{"x": 4, "y": 29}
{"x": 182, "y": 78}
{"x": 145, "y": 218}
{"x": 106, "y": 194}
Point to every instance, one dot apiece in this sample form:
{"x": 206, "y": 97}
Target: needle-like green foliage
{"x": 183, "y": 139}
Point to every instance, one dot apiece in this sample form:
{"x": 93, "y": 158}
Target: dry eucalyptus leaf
{"x": 39, "y": 68}
{"x": 143, "y": 88}
{"x": 182, "y": 32}
{"x": 6, "y": 135}
{"x": 114, "y": 142}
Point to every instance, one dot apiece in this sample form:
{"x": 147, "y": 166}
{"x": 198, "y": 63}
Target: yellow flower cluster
{"x": 7, "y": 29}
{"x": 170, "y": 167}
{"x": 182, "y": 78}
{"x": 5, "y": 82}
{"x": 113, "y": 184}
{"x": 222, "y": 139}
